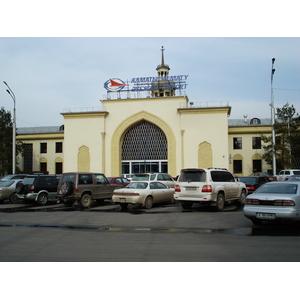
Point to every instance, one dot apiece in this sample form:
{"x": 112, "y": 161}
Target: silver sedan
{"x": 278, "y": 200}
{"x": 144, "y": 193}
{"x": 8, "y": 190}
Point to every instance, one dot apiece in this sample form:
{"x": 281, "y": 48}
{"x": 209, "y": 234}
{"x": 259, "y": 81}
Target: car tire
{"x": 14, "y": 198}
{"x": 66, "y": 188}
{"x": 220, "y": 203}
{"x": 186, "y": 204}
{"x": 20, "y": 188}
{"x": 86, "y": 200}
{"x": 42, "y": 199}
{"x": 242, "y": 199}
{"x": 148, "y": 202}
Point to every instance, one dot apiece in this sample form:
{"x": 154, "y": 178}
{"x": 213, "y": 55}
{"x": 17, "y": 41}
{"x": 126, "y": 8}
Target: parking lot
{"x": 165, "y": 233}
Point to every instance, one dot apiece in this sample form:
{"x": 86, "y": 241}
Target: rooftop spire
{"x": 162, "y": 56}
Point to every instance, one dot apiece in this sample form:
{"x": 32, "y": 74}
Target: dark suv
{"x": 39, "y": 188}
{"x": 84, "y": 187}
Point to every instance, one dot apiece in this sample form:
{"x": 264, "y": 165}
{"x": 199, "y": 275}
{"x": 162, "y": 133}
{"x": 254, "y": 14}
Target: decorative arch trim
{"x": 118, "y": 135}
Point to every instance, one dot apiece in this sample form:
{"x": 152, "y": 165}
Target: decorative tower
{"x": 163, "y": 87}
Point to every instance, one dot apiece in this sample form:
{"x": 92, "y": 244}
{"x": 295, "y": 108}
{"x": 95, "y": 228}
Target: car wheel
{"x": 220, "y": 202}
{"x": 124, "y": 205}
{"x": 242, "y": 197}
{"x": 42, "y": 199}
{"x": 66, "y": 188}
{"x": 148, "y": 202}
{"x": 257, "y": 221}
{"x": 13, "y": 198}
{"x": 86, "y": 200}
{"x": 20, "y": 188}
{"x": 186, "y": 204}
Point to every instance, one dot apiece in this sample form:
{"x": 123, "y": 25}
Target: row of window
{"x": 44, "y": 167}
{"x": 58, "y": 147}
{"x": 238, "y": 143}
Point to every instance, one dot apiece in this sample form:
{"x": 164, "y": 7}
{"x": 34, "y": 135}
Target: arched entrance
{"x": 122, "y": 129}
{"x": 144, "y": 149}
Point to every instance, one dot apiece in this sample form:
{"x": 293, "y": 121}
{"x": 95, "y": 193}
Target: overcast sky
{"x": 51, "y": 74}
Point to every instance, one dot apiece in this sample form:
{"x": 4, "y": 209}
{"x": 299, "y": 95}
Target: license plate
{"x": 123, "y": 200}
{"x": 191, "y": 188}
{"x": 265, "y": 216}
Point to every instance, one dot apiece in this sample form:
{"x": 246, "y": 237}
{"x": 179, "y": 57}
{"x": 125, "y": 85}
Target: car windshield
{"x": 294, "y": 178}
{"x": 68, "y": 177}
{"x": 286, "y": 188}
{"x": 7, "y": 177}
{"x": 6, "y": 183}
{"x": 137, "y": 185}
{"x": 28, "y": 180}
{"x": 140, "y": 177}
{"x": 191, "y": 176}
{"x": 249, "y": 180}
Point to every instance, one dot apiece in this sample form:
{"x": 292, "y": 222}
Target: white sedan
{"x": 276, "y": 200}
{"x": 144, "y": 193}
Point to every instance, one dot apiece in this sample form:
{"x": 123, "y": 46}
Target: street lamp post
{"x": 14, "y": 128}
{"x": 273, "y": 119}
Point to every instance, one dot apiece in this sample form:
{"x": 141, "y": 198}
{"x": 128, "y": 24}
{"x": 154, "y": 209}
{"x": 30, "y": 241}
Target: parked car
{"x": 213, "y": 186}
{"x": 144, "y": 193}
{"x": 279, "y": 200}
{"x": 13, "y": 176}
{"x": 118, "y": 180}
{"x": 253, "y": 182}
{"x": 8, "y": 190}
{"x": 285, "y": 174}
{"x": 128, "y": 176}
{"x": 84, "y": 187}
{"x": 271, "y": 177}
{"x": 294, "y": 178}
{"x": 39, "y": 188}
{"x": 160, "y": 177}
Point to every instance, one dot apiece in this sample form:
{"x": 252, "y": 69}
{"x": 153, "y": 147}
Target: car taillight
{"x": 76, "y": 191}
{"x": 284, "y": 203}
{"x": 252, "y": 202}
{"x": 207, "y": 188}
{"x": 177, "y": 188}
{"x": 250, "y": 188}
{"x": 31, "y": 188}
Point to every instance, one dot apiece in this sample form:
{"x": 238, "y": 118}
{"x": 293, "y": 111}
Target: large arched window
{"x": 144, "y": 141}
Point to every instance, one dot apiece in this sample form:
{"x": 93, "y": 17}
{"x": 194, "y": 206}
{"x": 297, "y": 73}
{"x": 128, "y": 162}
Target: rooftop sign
{"x": 147, "y": 84}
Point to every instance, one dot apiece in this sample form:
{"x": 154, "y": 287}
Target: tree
{"x": 6, "y": 142}
{"x": 287, "y": 140}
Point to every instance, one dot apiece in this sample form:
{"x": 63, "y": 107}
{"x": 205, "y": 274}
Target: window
{"x": 256, "y": 143}
{"x": 256, "y": 165}
{"x": 255, "y": 121}
{"x": 43, "y": 167}
{"x": 237, "y": 143}
{"x": 237, "y": 167}
{"x": 58, "y": 168}
{"x": 85, "y": 179}
{"x": 58, "y": 147}
{"x": 43, "y": 148}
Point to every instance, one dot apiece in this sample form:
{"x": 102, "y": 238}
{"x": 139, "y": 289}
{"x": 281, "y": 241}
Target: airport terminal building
{"x": 150, "y": 126}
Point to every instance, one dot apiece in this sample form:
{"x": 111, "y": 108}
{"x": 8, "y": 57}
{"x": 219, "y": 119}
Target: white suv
{"x": 285, "y": 174}
{"x": 212, "y": 186}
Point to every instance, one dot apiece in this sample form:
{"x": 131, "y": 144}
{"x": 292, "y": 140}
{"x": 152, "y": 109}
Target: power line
{"x": 287, "y": 89}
